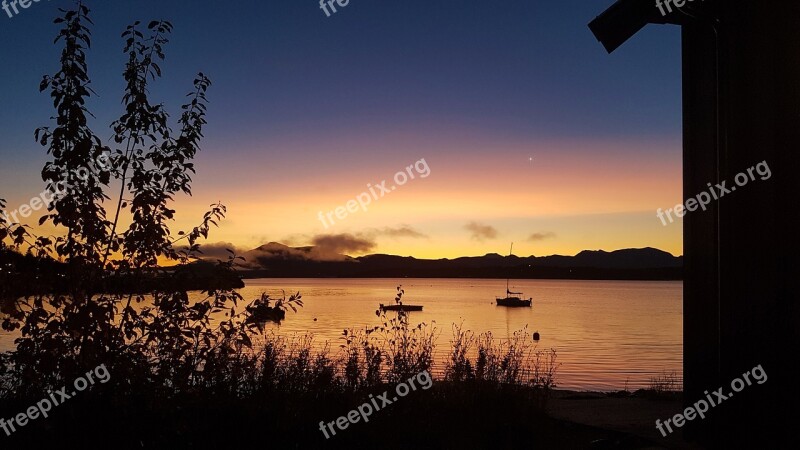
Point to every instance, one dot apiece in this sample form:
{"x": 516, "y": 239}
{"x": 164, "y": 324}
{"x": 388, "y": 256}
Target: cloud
{"x": 401, "y": 231}
{"x": 296, "y": 239}
{"x": 276, "y": 250}
{"x": 480, "y": 231}
{"x": 217, "y": 250}
{"x": 541, "y": 236}
{"x": 343, "y": 243}
{"x": 320, "y": 247}
{"x": 330, "y": 247}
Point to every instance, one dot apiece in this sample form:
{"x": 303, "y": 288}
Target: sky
{"x": 527, "y": 130}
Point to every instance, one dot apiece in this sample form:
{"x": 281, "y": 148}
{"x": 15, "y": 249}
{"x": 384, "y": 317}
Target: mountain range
{"x": 278, "y": 260}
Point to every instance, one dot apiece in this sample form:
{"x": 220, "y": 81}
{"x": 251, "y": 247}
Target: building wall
{"x": 742, "y": 107}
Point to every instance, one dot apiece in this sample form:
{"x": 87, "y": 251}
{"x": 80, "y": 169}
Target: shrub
{"x": 101, "y": 294}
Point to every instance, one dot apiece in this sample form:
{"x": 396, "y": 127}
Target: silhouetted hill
{"x": 277, "y": 260}
{"x": 619, "y": 259}
{"x": 26, "y": 274}
{"x": 276, "y": 251}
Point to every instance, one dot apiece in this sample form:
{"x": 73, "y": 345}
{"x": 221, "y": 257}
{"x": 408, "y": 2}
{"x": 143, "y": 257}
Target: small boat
{"x": 401, "y": 307}
{"x": 398, "y": 303}
{"x": 513, "y": 299}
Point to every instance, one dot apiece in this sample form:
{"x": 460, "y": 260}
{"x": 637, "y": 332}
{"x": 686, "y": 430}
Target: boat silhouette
{"x": 513, "y": 299}
{"x": 399, "y": 306}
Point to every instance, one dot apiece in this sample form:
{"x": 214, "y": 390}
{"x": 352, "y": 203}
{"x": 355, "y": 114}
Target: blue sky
{"x": 300, "y": 98}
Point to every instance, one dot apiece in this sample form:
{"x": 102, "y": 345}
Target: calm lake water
{"x": 607, "y": 334}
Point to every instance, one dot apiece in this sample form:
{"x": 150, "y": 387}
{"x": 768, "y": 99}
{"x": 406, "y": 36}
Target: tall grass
{"x": 665, "y": 383}
{"x": 368, "y": 358}
{"x": 514, "y": 361}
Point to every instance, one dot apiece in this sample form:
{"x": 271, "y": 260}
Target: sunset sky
{"x": 531, "y": 131}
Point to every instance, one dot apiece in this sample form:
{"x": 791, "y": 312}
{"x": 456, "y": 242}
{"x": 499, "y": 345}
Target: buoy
{"x": 536, "y": 336}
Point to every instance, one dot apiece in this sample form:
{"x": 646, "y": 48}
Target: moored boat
{"x": 398, "y": 303}
{"x": 513, "y": 299}
{"x": 401, "y": 307}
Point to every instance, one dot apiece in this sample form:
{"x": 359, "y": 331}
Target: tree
{"x": 72, "y": 323}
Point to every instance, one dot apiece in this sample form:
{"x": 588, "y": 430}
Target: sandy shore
{"x": 633, "y": 414}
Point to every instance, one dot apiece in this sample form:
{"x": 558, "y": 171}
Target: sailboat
{"x": 513, "y": 299}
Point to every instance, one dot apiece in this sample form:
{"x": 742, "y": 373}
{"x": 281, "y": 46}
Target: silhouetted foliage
{"x": 163, "y": 338}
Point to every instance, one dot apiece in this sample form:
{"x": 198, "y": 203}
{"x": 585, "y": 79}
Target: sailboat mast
{"x": 510, "y": 252}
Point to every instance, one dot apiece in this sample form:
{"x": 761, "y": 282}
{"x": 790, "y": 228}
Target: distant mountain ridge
{"x": 278, "y": 260}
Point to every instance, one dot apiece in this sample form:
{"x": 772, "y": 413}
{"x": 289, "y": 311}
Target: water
{"x": 608, "y": 334}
